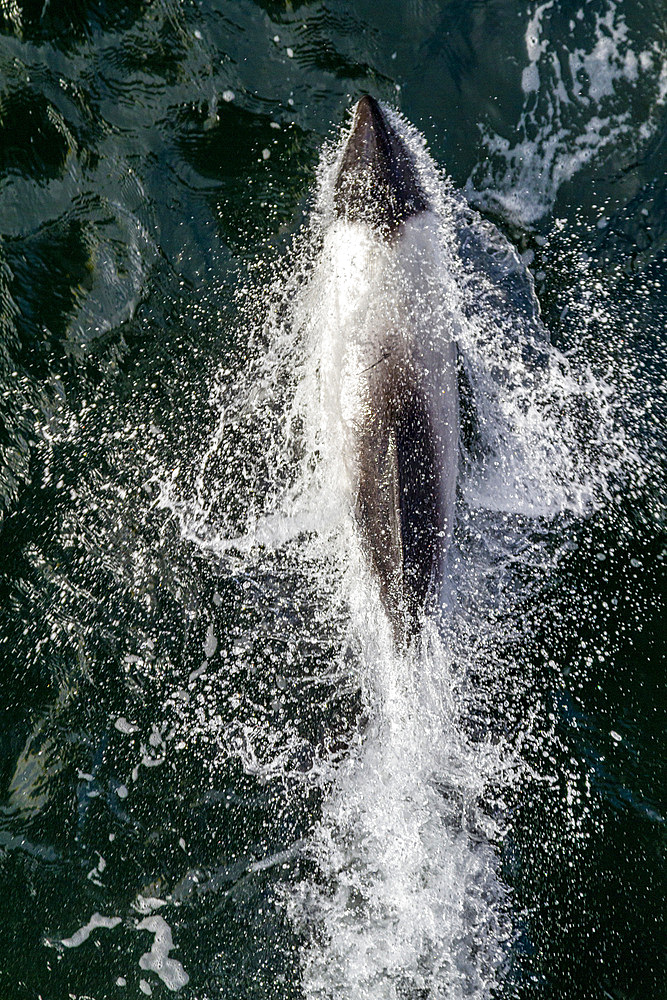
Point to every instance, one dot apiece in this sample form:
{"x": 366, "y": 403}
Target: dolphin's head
{"x": 377, "y": 179}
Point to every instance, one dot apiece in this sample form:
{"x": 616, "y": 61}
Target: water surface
{"x": 205, "y": 739}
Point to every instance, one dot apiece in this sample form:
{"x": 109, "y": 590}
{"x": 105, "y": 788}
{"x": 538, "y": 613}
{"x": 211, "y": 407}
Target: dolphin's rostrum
{"x": 406, "y": 432}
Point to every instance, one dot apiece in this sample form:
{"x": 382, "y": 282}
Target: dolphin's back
{"x": 399, "y": 497}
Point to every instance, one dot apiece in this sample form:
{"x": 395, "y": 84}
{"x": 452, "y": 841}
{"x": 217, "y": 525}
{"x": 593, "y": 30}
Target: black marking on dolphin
{"x": 399, "y": 506}
{"x": 377, "y": 182}
{"x": 407, "y": 444}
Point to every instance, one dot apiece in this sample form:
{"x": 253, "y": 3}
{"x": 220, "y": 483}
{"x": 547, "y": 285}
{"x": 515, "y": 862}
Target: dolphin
{"x": 404, "y": 429}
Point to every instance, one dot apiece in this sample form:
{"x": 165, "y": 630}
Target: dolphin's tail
{"x": 377, "y": 180}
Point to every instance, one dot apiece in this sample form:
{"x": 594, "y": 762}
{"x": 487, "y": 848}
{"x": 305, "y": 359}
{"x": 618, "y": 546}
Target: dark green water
{"x": 156, "y": 160}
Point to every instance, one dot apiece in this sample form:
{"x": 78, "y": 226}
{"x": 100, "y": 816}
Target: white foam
{"x": 84, "y": 932}
{"x": 575, "y": 107}
{"x": 123, "y": 726}
{"x": 211, "y": 643}
{"x": 157, "y": 960}
{"x": 147, "y": 904}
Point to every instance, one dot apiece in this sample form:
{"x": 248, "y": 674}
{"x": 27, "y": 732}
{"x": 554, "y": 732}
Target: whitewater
{"x": 401, "y": 892}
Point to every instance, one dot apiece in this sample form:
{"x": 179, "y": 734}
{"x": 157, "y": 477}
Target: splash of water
{"x": 406, "y": 897}
{"x": 571, "y": 83}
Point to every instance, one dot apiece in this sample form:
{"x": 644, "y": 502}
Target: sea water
{"x": 218, "y": 776}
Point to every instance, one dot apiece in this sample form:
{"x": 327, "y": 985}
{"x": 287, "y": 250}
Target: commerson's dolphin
{"x": 404, "y": 427}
